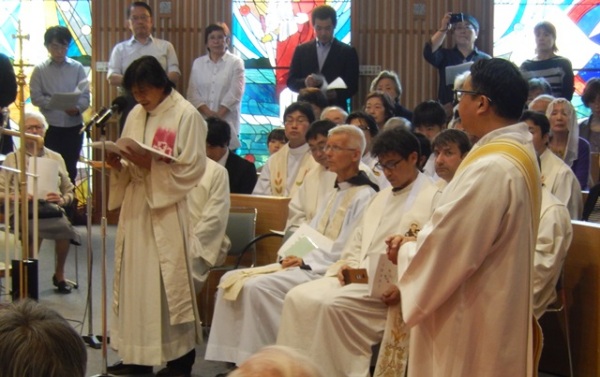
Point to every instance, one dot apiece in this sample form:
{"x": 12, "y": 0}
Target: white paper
{"x": 47, "y": 172}
{"x": 382, "y": 274}
{"x": 126, "y": 143}
{"x": 304, "y": 240}
{"x": 454, "y": 70}
{"x": 337, "y": 84}
{"x": 66, "y": 101}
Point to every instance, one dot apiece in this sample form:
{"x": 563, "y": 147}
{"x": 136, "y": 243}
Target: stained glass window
{"x": 578, "y": 35}
{"x": 265, "y": 34}
{"x": 36, "y": 16}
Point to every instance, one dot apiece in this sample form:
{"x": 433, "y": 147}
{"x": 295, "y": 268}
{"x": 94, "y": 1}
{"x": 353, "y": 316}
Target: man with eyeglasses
{"x": 465, "y": 34}
{"x": 466, "y": 282}
{"x": 61, "y": 74}
{"x": 337, "y": 323}
{"x": 141, "y": 43}
{"x": 249, "y": 302}
{"x": 325, "y": 59}
{"x": 284, "y": 171}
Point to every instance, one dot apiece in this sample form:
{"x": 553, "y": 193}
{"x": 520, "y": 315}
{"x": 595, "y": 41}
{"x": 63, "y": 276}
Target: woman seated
{"x": 57, "y": 228}
{"x": 380, "y": 106}
{"x": 565, "y": 141}
{"x": 388, "y": 82}
{"x": 589, "y": 129}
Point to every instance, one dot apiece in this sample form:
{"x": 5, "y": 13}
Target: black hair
{"x": 57, "y": 33}
{"x": 218, "y": 132}
{"x": 213, "y": 27}
{"x": 429, "y": 113}
{"x": 591, "y": 91}
{"x": 319, "y": 127}
{"x": 323, "y": 12}
{"x": 139, "y": 4}
{"x": 502, "y": 82}
{"x": 538, "y": 119}
{"x": 277, "y": 134}
{"x": 314, "y": 96}
{"x": 303, "y": 107}
{"x": 386, "y": 100}
{"x": 147, "y": 71}
{"x": 396, "y": 140}
{"x": 373, "y": 129}
{"x": 453, "y": 136}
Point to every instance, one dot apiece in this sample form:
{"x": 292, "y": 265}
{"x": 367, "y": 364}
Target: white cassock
{"x": 370, "y": 160}
{"x": 313, "y": 193}
{"x": 466, "y": 293}
{"x": 562, "y": 182}
{"x": 284, "y": 171}
{"x": 244, "y": 326}
{"x": 209, "y": 204}
{"x": 335, "y": 325}
{"x": 555, "y": 233}
{"x": 155, "y": 317}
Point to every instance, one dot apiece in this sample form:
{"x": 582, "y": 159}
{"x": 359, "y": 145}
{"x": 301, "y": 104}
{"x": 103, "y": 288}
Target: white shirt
{"x": 124, "y": 53}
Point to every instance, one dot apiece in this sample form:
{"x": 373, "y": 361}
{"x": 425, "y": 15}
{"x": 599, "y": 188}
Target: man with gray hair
{"x": 335, "y": 114}
{"x": 249, "y": 302}
{"x": 277, "y": 361}
{"x": 36, "y": 341}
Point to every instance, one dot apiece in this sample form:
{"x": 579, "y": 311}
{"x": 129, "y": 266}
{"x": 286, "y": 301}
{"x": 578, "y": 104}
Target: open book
{"x": 125, "y": 143}
{"x": 303, "y": 241}
{"x": 66, "y": 101}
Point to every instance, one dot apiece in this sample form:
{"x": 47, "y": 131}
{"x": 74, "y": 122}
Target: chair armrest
{"x": 251, "y": 243}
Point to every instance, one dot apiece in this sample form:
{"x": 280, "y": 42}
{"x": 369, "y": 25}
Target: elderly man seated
{"x": 249, "y": 302}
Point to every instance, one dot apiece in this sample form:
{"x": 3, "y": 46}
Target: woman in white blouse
{"x": 217, "y": 81}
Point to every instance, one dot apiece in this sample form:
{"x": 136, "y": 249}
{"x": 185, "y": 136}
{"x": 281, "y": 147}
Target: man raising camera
{"x": 465, "y": 29}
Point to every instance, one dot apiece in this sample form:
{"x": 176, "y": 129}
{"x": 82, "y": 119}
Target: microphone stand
{"x": 90, "y": 339}
{"x": 104, "y": 372}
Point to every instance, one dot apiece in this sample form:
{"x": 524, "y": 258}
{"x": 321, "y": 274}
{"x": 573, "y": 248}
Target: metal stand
{"x": 104, "y": 339}
{"x": 90, "y": 339}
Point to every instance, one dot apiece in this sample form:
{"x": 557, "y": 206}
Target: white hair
{"x": 333, "y": 108}
{"x": 357, "y": 136}
{"x": 37, "y": 116}
{"x": 394, "y": 122}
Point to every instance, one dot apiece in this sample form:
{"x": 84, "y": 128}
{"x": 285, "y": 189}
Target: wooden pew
{"x": 272, "y": 214}
{"x": 582, "y": 283}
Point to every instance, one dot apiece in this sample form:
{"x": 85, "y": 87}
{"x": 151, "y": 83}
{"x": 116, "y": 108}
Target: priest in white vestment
{"x": 246, "y": 321}
{"x": 285, "y": 170}
{"x": 557, "y": 176}
{"x": 154, "y": 313}
{"x": 319, "y": 181}
{"x": 466, "y": 283}
{"x": 209, "y": 204}
{"x": 335, "y": 324}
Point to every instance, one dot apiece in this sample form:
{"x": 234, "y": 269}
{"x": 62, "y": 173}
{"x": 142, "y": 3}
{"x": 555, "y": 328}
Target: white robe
{"x": 335, "y": 325}
{"x": 467, "y": 292}
{"x": 562, "y": 183}
{"x": 555, "y": 233}
{"x": 154, "y": 316}
{"x": 312, "y": 194}
{"x": 242, "y": 327}
{"x": 299, "y": 163}
{"x": 209, "y": 204}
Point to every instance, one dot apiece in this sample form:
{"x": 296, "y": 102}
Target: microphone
{"x": 117, "y": 106}
{"x": 92, "y": 121}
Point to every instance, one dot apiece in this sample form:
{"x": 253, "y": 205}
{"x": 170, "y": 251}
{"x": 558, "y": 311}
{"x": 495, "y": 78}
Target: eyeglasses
{"x": 289, "y": 121}
{"x": 317, "y": 148}
{"x": 34, "y": 128}
{"x": 336, "y": 149}
{"x": 458, "y": 94}
{"x": 464, "y": 27}
{"x": 391, "y": 165}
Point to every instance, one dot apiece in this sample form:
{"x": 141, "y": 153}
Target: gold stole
{"x": 279, "y": 166}
{"x": 331, "y": 229}
{"x": 393, "y": 354}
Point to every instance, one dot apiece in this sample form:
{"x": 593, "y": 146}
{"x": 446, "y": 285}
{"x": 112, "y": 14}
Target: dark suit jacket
{"x": 242, "y": 174}
{"x": 342, "y": 61}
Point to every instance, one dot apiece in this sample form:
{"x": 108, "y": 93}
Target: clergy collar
{"x": 360, "y": 179}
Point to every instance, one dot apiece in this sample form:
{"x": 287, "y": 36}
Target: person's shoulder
{"x": 310, "y": 44}
{"x": 234, "y": 157}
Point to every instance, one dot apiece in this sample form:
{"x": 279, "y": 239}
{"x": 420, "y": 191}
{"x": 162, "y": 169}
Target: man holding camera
{"x": 465, "y": 29}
